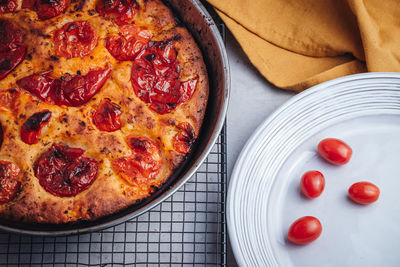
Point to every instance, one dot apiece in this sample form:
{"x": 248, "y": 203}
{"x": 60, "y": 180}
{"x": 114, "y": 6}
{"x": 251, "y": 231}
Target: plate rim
{"x": 234, "y": 177}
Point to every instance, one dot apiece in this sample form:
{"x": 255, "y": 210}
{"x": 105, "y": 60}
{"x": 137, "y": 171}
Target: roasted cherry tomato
{"x": 75, "y": 39}
{"x": 64, "y": 172}
{"x": 120, "y": 11}
{"x": 155, "y": 78}
{"x": 184, "y": 139}
{"x": 8, "y": 98}
{"x": 12, "y": 51}
{"x": 312, "y": 184}
{"x": 364, "y": 192}
{"x": 143, "y": 164}
{"x": 304, "y": 230}
{"x": 130, "y": 42}
{"x": 9, "y": 184}
{"x": 335, "y": 151}
{"x": 30, "y": 130}
{"x": 1, "y": 135}
{"x": 70, "y": 90}
{"x": 107, "y": 116}
{"x": 47, "y": 9}
{"x": 10, "y": 60}
{"x": 8, "y": 6}
{"x": 10, "y": 36}
{"x": 187, "y": 89}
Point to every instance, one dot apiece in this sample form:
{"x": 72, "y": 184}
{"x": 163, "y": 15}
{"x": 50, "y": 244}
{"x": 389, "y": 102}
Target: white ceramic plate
{"x": 264, "y": 197}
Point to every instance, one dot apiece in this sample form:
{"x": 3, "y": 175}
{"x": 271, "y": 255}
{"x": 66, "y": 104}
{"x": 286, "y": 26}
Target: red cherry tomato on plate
{"x": 335, "y": 151}
{"x": 304, "y": 230}
{"x": 364, "y": 192}
{"x": 312, "y": 184}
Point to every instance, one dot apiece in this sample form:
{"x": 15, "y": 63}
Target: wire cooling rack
{"x": 188, "y": 229}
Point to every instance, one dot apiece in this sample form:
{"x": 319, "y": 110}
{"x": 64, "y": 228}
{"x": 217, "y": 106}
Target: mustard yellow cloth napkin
{"x": 296, "y": 44}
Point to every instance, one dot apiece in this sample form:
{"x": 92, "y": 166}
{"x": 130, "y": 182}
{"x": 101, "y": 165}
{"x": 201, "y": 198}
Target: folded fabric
{"x": 296, "y": 44}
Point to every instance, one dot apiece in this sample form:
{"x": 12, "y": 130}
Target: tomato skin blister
{"x": 9, "y": 184}
{"x": 64, "y": 172}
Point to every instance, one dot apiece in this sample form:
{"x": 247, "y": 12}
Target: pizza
{"x": 100, "y": 103}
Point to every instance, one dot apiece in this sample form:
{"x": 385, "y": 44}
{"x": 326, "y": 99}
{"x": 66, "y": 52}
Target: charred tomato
{"x": 64, "y": 172}
{"x": 183, "y": 140}
{"x": 30, "y": 130}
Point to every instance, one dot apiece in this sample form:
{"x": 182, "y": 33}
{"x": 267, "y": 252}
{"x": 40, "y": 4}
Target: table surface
{"x": 252, "y": 100}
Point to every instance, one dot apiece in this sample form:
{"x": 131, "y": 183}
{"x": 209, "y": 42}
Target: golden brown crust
{"x": 73, "y": 126}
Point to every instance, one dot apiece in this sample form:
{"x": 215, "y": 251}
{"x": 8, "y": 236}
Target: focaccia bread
{"x": 100, "y": 102}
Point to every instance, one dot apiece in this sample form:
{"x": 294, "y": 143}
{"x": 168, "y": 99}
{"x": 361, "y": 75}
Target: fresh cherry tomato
{"x": 364, "y": 192}
{"x": 312, "y": 184}
{"x": 335, "y": 151}
{"x": 304, "y": 230}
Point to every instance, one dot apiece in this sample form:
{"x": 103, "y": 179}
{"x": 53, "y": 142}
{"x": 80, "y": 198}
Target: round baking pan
{"x": 203, "y": 28}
